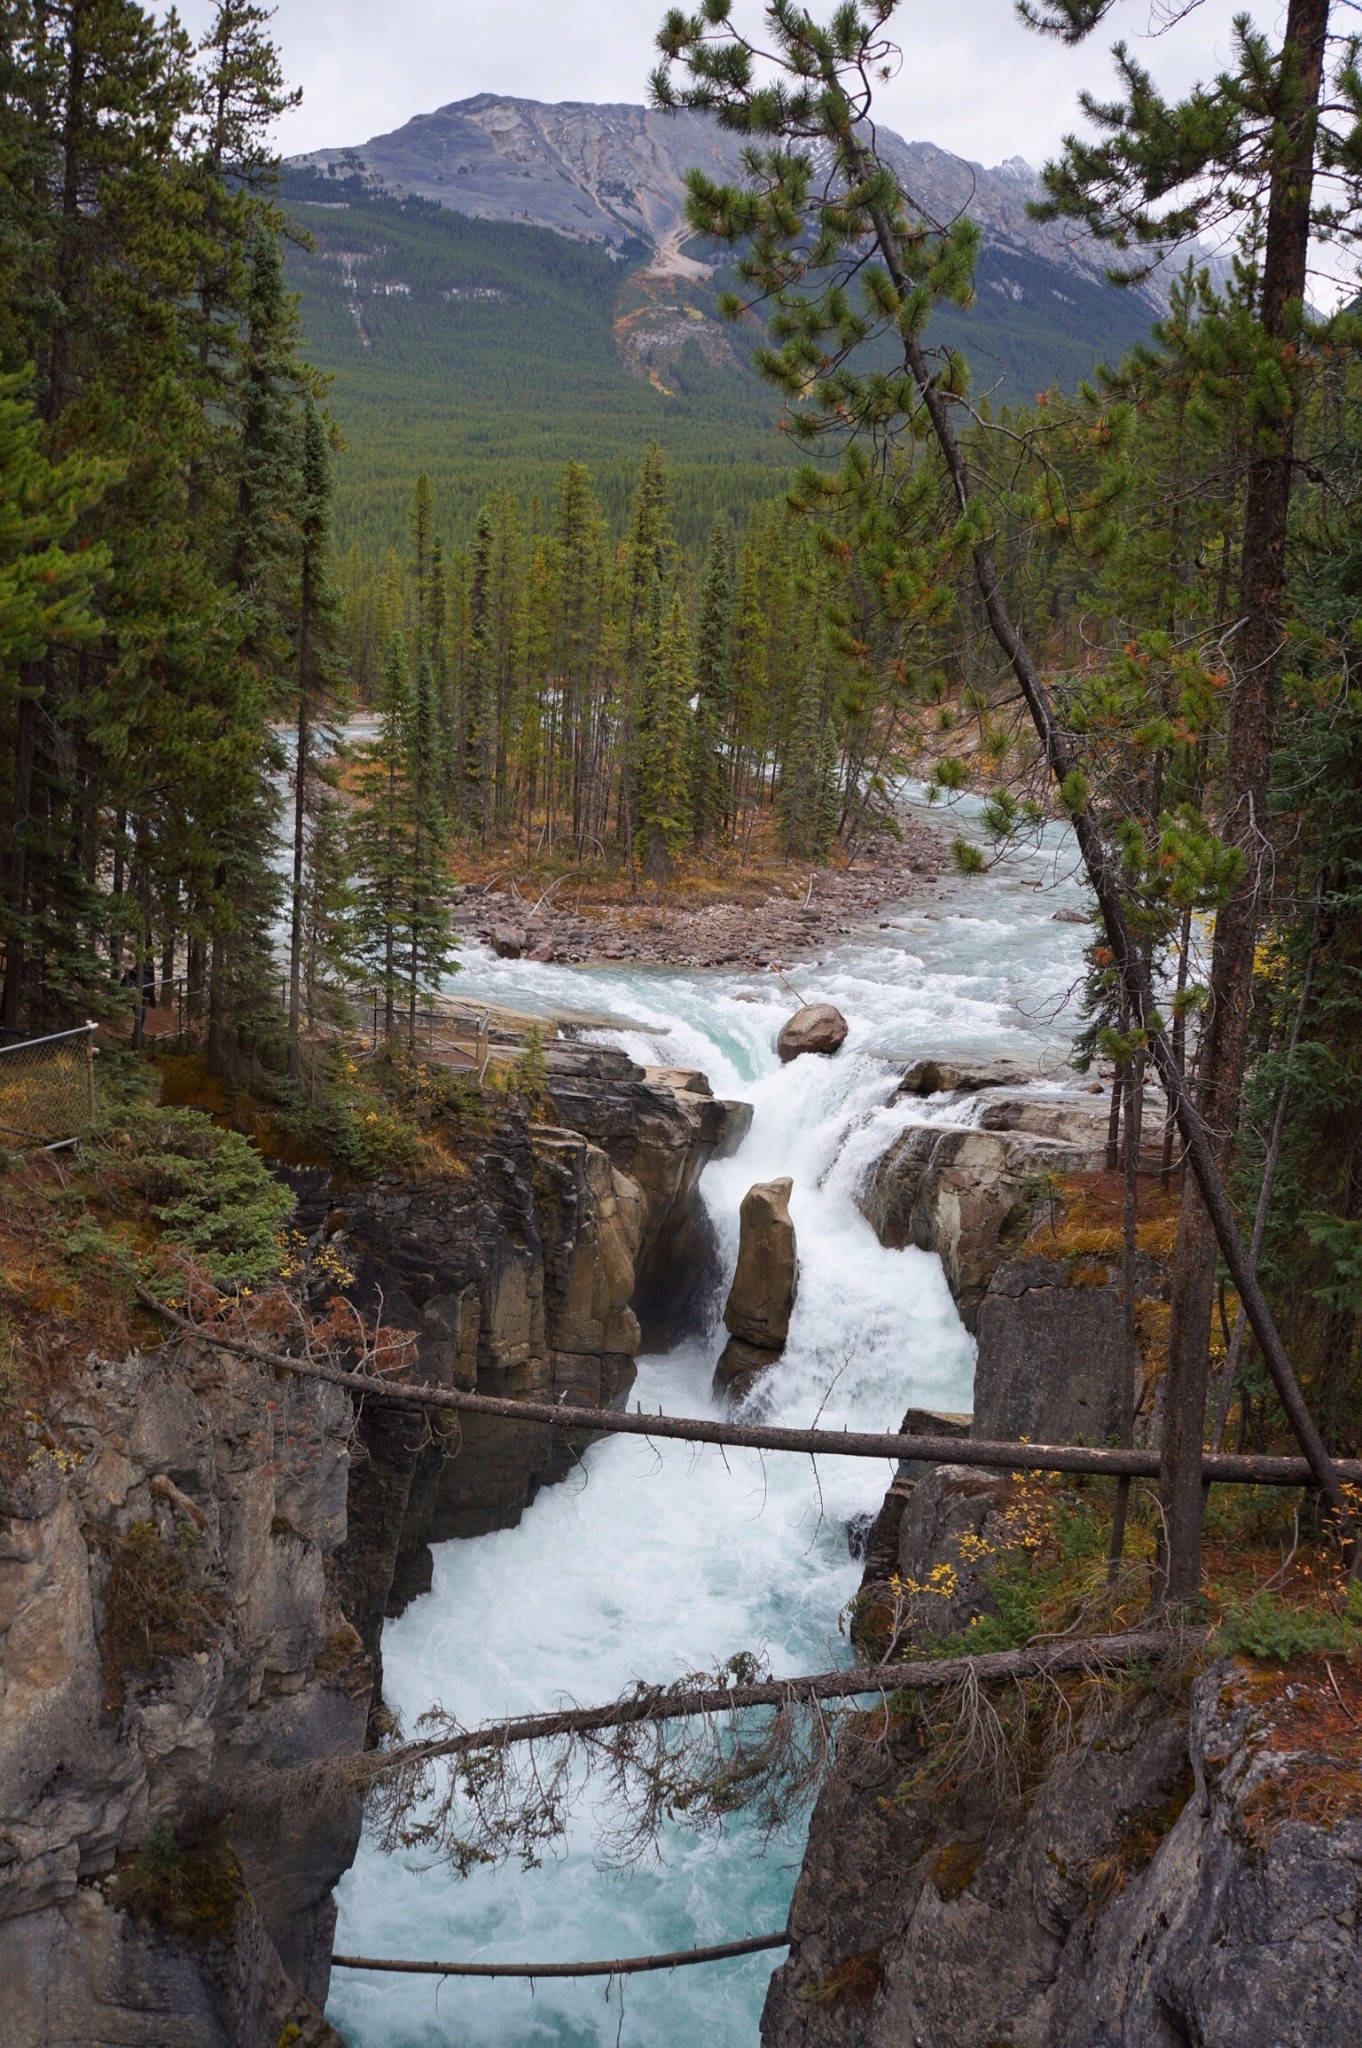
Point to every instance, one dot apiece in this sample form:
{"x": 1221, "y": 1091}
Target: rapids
{"x": 653, "y": 1563}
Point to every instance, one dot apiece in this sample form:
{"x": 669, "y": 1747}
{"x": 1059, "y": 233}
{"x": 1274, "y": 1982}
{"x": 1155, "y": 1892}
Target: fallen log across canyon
{"x": 1221, "y": 1467}
{"x": 618, "y": 1966}
{"x": 648, "y": 1705}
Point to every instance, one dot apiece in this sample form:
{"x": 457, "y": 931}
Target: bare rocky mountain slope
{"x": 615, "y": 176}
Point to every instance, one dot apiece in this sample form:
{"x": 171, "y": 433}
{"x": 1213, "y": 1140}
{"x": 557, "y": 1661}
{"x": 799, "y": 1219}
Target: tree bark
{"x": 1262, "y": 577}
{"x": 619, "y": 1966}
{"x": 1257, "y": 1470}
{"x": 664, "y": 1704}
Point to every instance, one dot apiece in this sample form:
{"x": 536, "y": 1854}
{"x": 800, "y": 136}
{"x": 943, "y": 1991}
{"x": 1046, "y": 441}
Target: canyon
{"x": 350, "y": 1566}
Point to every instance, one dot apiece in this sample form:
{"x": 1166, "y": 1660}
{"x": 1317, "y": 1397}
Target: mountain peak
{"x": 614, "y": 175}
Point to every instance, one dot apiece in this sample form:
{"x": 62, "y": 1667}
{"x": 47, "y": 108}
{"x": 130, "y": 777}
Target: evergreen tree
{"x": 397, "y": 845}
{"x": 315, "y": 692}
{"x": 665, "y": 747}
{"x": 649, "y": 568}
{"x": 807, "y": 801}
{"x": 421, "y": 528}
{"x": 424, "y": 883}
{"x": 378, "y": 832}
{"x": 714, "y": 685}
{"x": 1160, "y": 172}
{"x": 577, "y": 625}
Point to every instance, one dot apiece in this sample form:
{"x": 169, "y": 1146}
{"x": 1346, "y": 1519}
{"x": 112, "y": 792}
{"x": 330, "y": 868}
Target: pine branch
{"x": 650, "y": 1705}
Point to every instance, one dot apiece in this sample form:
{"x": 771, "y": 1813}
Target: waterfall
{"x": 649, "y": 1563}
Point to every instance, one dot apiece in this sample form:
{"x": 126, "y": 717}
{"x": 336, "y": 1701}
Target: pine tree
{"x": 315, "y": 687}
{"x": 397, "y": 845}
{"x": 577, "y": 626}
{"x": 378, "y": 828}
{"x": 1254, "y": 144}
{"x": 714, "y": 685}
{"x": 421, "y": 528}
{"x": 807, "y": 800}
{"x": 664, "y": 748}
{"x": 648, "y": 573}
{"x": 425, "y": 887}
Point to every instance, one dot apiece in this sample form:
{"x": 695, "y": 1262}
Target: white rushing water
{"x": 650, "y": 1563}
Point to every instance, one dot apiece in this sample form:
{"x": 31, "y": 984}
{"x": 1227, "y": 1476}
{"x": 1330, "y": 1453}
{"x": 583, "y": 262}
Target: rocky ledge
{"x": 534, "y": 1274}
{"x": 169, "y": 1623}
{"x": 1164, "y": 1860}
{"x": 959, "y": 1188}
{"x": 195, "y": 1571}
{"x": 1173, "y": 1876}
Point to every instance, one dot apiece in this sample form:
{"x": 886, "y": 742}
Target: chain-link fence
{"x": 47, "y": 1089}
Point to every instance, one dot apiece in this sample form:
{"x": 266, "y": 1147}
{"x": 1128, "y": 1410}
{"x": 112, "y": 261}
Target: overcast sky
{"x": 973, "y": 79}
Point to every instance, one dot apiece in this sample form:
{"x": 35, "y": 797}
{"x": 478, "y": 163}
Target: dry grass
{"x": 853, "y": 1982}
{"x": 1087, "y": 1230}
{"x": 744, "y": 875}
{"x": 195, "y": 1892}
{"x": 155, "y": 1604}
{"x": 56, "y": 1306}
{"x": 952, "y": 1869}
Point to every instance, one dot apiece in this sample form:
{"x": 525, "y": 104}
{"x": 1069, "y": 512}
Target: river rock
{"x": 739, "y": 1123}
{"x": 762, "y": 1296}
{"x": 818, "y": 1027}
{"x": 508, "y": 942}
{"x": 960, "y": 1192}
{"x": 741, "y": 1366}
{"x": 949, "y": 1077}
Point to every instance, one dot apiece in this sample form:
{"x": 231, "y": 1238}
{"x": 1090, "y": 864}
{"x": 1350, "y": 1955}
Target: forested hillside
{"x": 487, "y": 354}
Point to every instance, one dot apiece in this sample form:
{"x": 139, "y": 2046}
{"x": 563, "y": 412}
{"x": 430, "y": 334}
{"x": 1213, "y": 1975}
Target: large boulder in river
{"x": 762, "y": 1296}
{"x": 818, "y": 1027}
{"x": 963, "y": 1077}
{"x": 508, "y": 941}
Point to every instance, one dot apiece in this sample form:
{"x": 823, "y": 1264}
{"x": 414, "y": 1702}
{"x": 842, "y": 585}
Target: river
{"x": 648, "y": 1564}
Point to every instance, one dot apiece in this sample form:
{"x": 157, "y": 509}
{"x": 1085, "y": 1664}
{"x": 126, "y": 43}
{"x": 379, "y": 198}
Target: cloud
{"x": 972, "y": 78}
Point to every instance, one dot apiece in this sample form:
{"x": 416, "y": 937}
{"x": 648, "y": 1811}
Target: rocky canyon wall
{"x": 196, "y": 1558}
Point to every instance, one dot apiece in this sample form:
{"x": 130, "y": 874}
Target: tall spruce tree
{"x": 315, "y": 696}
{"x": 1159, "y": 171}
{"x": 848, "y": 257}
{"x": 665, "y": 747}
{"x": 714, "y": 684}
{"x": 379, "y": 825}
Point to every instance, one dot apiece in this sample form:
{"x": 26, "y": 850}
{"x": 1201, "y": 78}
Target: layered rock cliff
{"x": 1164, "y": 1863}
{"x": 531, "y": 1274}
{"x": 1166, "y": 1859}
{"x": 196, "y": 1558}
{"x": 168, "y": 1623}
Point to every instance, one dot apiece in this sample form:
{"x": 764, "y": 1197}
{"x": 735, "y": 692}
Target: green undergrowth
{"x": 1274, "y": 1584}
{"x": 194, "y": 1179}
{"x": 194, "y": 1892}
{"x": 1275, "y": 1628}
{"x": 360, "y": 1113}
{"x": 206, "y": 1190}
